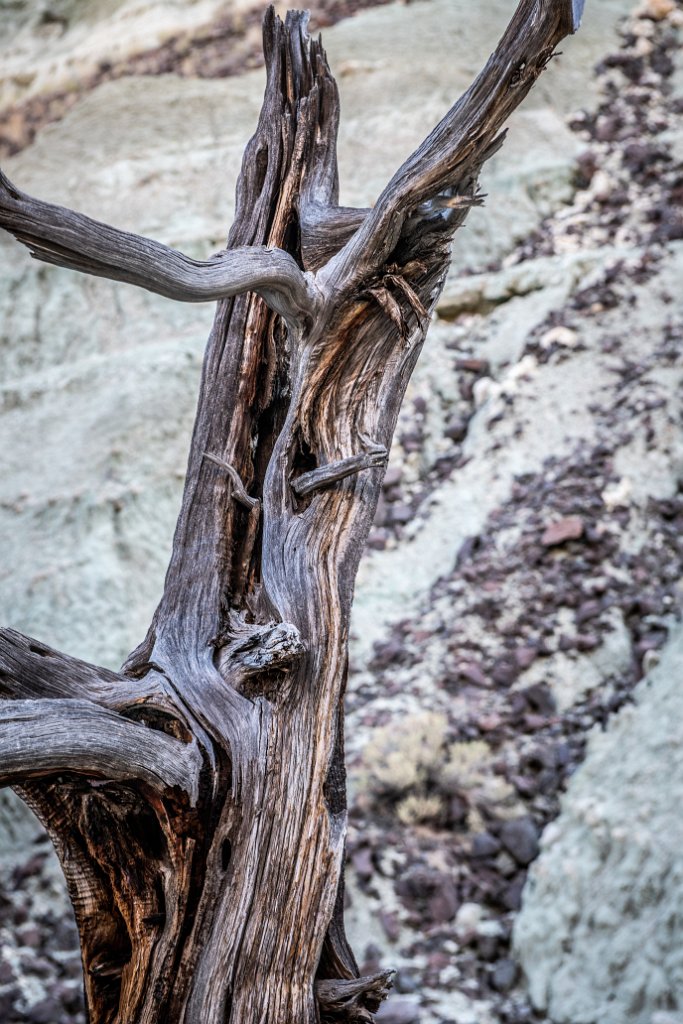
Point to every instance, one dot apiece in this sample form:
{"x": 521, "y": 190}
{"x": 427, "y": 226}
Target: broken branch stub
{"x": 199, "y": 803}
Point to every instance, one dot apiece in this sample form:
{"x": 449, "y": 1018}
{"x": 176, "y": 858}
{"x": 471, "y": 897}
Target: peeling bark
{"x": 197, "y": 798}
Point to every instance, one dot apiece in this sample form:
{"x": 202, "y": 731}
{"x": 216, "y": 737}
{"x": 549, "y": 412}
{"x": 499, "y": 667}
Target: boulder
{"x": 599, "y": 932}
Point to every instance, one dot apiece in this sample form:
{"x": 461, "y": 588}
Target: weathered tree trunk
{"x": 197, "y": 798}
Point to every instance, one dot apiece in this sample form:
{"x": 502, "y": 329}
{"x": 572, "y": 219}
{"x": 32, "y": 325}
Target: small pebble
{"x": 520, "y": 839}
{"x": 504, "y": 975}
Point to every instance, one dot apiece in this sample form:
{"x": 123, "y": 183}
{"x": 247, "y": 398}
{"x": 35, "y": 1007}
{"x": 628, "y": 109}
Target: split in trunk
{"x": 197, "y": 798}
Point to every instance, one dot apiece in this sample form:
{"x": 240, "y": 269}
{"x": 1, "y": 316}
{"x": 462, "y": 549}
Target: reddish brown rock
{"x": 569, "y": 528}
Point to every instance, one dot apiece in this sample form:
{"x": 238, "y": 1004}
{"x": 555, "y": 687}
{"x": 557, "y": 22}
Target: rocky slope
{"x": 543, "y": 490}
{"x": 523, "y": 572}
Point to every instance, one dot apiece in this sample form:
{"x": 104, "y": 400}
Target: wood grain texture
{"x": 64, "y": 238}
{"x": 197, "y": 799}
{"x": 30, "y": 670}
{"x": 76, "y": 735}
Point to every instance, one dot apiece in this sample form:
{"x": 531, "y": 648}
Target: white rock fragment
{"x": 485, "y": 390}
{"x": 643, "y": 29}
{"x": 644, "y": 47}
{"x": 525, "y": 369}
{"x": 468, "y": 920}
{"x": 602, "y": 186}
{"x": 563, "y": 336}
{"x": 618, "y": 495}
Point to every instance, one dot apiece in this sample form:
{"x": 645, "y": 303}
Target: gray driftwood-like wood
{"x": 197, "y": 798}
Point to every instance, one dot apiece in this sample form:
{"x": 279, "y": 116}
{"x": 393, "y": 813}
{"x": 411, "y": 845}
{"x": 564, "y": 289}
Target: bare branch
{"x": 323, "y": 476}
{"x": 68, "y": 239}
{"x": 239, "y": 492}
{"x": 450, "y": 157}
{"x": 31, "y": 670}
{"x": 45, "y": 737}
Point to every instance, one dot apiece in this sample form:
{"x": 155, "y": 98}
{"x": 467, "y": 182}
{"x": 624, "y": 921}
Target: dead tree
{"x": 196, "y": 799}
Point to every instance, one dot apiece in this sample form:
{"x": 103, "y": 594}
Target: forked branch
{"x": 30, "y": 670}
{"x": 64, "y": 238}
{"x": 449, "y": 159}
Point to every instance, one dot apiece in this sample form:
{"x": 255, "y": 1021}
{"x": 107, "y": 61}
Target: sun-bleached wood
{"x": 197, "y": 798}
{"x": 38, "y": 739}
{"x": 67, "y": 239}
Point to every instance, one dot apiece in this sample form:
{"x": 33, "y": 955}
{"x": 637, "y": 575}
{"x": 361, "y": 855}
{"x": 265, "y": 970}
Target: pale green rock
{"x": 600, "y": 928}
